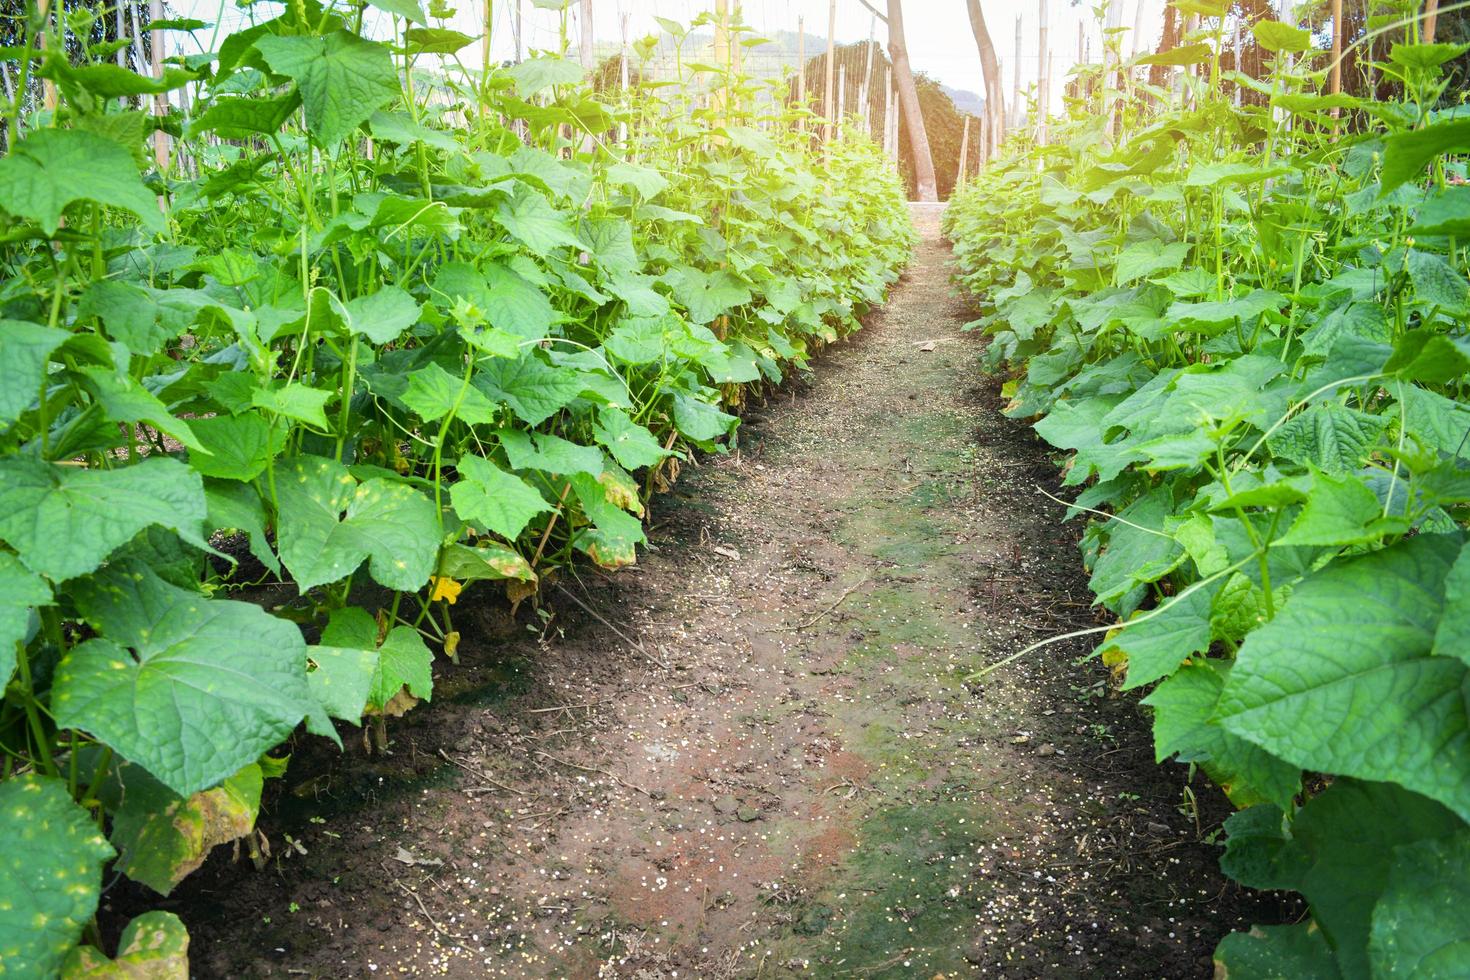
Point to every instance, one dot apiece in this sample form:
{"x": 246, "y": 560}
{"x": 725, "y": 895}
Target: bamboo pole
{"x": 983, "y": 147}
{"x": 1431, "y": 20}
{"x": 589, "y": 59}
{"x": 48, "y": 87}
{"x": 801, "y": 60}
{"x": 1043, "y": 61}
{"x": 888, "y": 111}
{"x": 841, "y": 100}
{"x": 959, "y": 180}
{"x": 623, "y": 80}
{"x": 1334, "y": 82}
{"x": 160, "y": 101}
{"x": 830, "y": 75}
{"x": 1016, "y": 114}
{"x": 865, "y": 95}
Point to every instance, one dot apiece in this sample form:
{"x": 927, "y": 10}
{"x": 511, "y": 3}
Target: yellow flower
{"x": 444, "y": 588}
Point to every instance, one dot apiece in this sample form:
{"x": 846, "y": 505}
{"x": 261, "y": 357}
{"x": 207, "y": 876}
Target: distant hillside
{"x": 972, "y": 103}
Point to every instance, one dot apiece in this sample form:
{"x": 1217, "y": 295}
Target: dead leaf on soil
{"x": 403, "y": 856}
{"x": 730, "y": 553}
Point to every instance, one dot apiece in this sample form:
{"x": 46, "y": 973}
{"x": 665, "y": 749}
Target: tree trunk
{"x": 995, "y": 98}
{"x": 908, "y": 98}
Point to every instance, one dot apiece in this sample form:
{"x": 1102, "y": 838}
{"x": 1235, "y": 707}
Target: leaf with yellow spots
{"x": 154, "y": 946}
{"x": 489, "y": 560}
{"x": 404, "y": 662}
{"x": 50, "y": 874}
{"x": 330, "y": 524}
{"x": 189, "y": 688}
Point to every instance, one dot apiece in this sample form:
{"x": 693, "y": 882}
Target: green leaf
{"x": 125, "y": 400}
{"x": 1185, "y": 54}
{"x": 340, "y": 679}
{"x": 382, "y": 316}
{"x": 1329, "y": 436}
{"x": 707, "y": 296}
{"x": 163, "y": 837}
{"x": 1419, "y": 925}
{"x": 133, "y": 315}
{"x": 1438, "y": 283}
{"x": 1295, "y": 952}
{"x": 1347, "y": 837}
{"x": 536, "y": 223}
{"x": 1276, "y": 36}
{"x": 500, "y": 501}
{"x": 20, "y": 591}
{"x": 399, "y": 127}
{"x": 1137, "y": 553}
{"x": 1258, "y": 851}
{"x": 1183, "y": 705}
{"x": 534, "y": 390}
{"x": 240, "y": 118}
{"x": 409, "y": 10}
{"x": 296, "y": 401}
{"x": 1342, "y": 680}
{"x": 343, "y": 79}
{"x": 54, "y": 168}
{"x": 433, "y": 392}
{"x": 612, "y": 541}
{"x": 25, "y": 350}
{"x": 1407, "y": 153}
{"x": 404, "y": 664}
{"x": 50, "y": 873}
{"x": 330, "y": 524}
{"x": 65, "y": 520}
{"x": 1438, "y": 422}
{"x": 535, "y": 75}
{"x": 435, "y": 40}
{"x": 637, "y": 340}
{"x": 549, "y": 454}
{"x": 153, "y": 945}
{"x": 189, "y": 688}
{"x": 645, "y": 180}
{"x": 1452, "y": 638}
{"x": 240, "y": 447}
{"x": 631, "y": 444}
{"x": 1143, "y": 259}
{"x": 699, "y": 421}
{"x": 1445, "y": 212}
{"x": 237, "y": 507}
{"x": 1341, "y": 510}
{"x": 1156, "y": 646}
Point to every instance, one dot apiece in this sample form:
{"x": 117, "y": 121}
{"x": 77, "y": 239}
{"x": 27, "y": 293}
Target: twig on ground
{"x": 598, "y": 616}
{"x": 424, "y": 909}
{"x": 479, "y": 775}
{"x": 601, "y": 772}
{"x": 825, "y": 612}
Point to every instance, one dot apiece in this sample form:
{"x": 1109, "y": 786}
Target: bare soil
{"x": 756, "y": 754}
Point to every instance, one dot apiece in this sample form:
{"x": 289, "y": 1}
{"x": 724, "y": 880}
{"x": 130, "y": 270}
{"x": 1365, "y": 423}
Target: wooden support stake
{"x": 827, "y": 103}
{"x": 865, "y": 95}
{"x": 888, "y": 111}
{"x": 1334, "y": 81}
{"x": 1016, "y": 112}
{"x": 841, "y": 100}
{"x": 589, "y": 59}
{"x": 160, "y": 101}
{"x": 1431, "y": 21}
{"x": 1043, "y": 51}
{"x": 623, "y": 80}
{"x": 959, "y": 180}
{"x": 801, "y": 61}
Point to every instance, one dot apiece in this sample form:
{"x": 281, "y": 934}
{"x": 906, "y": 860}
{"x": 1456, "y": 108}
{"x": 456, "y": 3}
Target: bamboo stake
{"x": 1334, "y": 83}
{"x": 48, "y": 87}
{"x": 888, "y": 111}
{"x": 623, "y": 80}
{"x": 1016, "y": 114}
{"x": 1043, "y": 52}
{"x": 160, "y": 101}
{"x": 959, "y": 180}
{"x": 589, "y": 59}
{"x": 841, "y": 100}
{"x": 831, "y": 57}
{"x": 865, "y": 92}
{"x": 801, "y": 60}
{"x": 1431, "y": 20}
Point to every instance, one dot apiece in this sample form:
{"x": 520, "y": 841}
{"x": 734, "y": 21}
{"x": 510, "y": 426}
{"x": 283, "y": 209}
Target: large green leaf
{"x": 1159, "y": 644}
{"x": 708, "y": 295}
{"x": 50, "y": 873}
{"x": 433, "y": 393}
{"x": 1420, "y": 926}
{"x": 404, "y": 663}
{"x": 1137, "y": 553}
{"x": 1183, "y": 705}
{"x": 1437, "y": 282}
{"x": 155, "y": 946}
{"x": 533, "y": 389}
{"x": 699, "y": 421}
{"x": 189, "y": 688}
{"x": 20, "y": 591}
{"x": 1329, "y": 436}
{"x": 125, "y": 400}
{"x": 1295, "y": 952}
{"x": 53, "y": 168}
{"x": 536, "y": 223}
{"x": 330, "y": 524}
{"x": 343, "y": 79}
{"x": 1346, "y": 838}
{"x": 1148, "y": 258}
{"x": 382, "y": 316}
{"x": 502, "y": 502}
{"x": 1342, "y": 680}
{"x": 1452, "y": 638}
{"x": 340, "y": 679}
{"x": 631, "y": 444}
{"x": 240, "y": 446}
{"x": 25, "y": 349}
{"x": 1407, "y": 153}
{"x": 65, "y": 520}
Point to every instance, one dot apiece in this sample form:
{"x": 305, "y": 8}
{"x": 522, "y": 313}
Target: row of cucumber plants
{"x": 1245, "y": 328}
{"x": 387, "y": 328}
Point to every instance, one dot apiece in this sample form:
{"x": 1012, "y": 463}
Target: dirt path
{"x": 758, "y": 756}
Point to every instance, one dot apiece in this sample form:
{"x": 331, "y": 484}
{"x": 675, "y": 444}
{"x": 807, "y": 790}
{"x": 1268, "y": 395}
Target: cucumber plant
{"x": 1243, "y": 326}
{"x": 386, "y": 327}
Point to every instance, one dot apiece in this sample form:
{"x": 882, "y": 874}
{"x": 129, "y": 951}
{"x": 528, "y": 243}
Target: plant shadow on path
{"x": 767, "y": 764}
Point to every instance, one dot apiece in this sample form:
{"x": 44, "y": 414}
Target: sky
{"x": 940, "y": 41}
